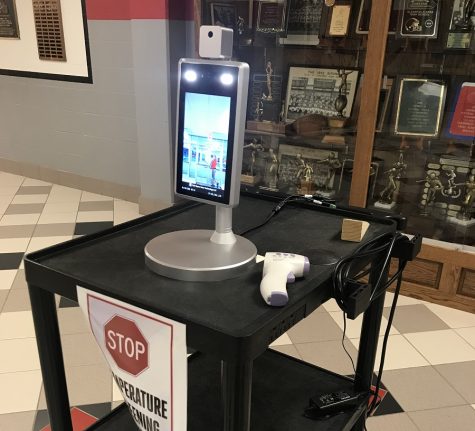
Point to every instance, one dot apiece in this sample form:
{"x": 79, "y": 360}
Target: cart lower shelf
{"x": 281, "y": 390}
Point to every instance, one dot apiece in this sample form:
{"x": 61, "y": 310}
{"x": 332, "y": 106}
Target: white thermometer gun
{"x": 280, "y": 269}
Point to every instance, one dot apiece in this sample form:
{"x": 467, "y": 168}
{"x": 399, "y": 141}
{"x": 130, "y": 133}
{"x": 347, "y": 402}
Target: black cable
{"x": 275, "y": 210}
{"x": 343, "y": 344}
{"x": 375, "y": 402}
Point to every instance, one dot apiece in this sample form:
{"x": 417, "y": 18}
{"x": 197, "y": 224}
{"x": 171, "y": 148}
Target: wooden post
{"x": 373, "y": 73}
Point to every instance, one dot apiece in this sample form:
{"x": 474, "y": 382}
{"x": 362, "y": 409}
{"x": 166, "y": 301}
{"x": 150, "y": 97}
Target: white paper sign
{"x": 147, "y": 356}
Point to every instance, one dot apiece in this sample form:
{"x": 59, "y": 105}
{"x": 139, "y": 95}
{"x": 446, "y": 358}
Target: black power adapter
{"x": 357, "y": 299}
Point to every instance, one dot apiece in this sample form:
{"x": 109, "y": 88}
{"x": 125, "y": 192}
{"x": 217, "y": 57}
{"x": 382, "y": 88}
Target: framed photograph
{"x": 364, "y": 16}
{"x": 462, "y": 23}
{"x": 420, "y": 105}
{"x": 304, "y": 22}
{"x": 270, "y": 16}
{"x": 313, "y": 90}
{"x": 224, "y": 14}
{"x": 8, "y": 20}
{"x": 419, "y": 18}
{"x": 384, "y": 99}
{"x": 338, "y": 21}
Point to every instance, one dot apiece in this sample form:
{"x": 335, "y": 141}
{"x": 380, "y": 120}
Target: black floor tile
{"x": 92, "y": 227}
{"x": 97, "y": 410}
{"x": 10, "y": 260}
{"x": 41, "y": 420}
{"x": 67, "y": 303}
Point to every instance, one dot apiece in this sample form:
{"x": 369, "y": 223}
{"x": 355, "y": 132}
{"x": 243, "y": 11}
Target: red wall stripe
{"x": 139, "y": 9}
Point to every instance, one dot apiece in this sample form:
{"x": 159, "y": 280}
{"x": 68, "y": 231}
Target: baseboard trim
{"x": 148, "y": 205}
{"x": 68, "y": 179}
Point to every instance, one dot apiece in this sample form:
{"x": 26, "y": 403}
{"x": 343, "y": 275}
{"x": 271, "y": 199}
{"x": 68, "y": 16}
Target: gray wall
{"x": 119, "y": 129}
{"x": 89, "y": 130}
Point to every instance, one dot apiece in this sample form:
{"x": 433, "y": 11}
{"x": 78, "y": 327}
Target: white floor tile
{"x": 38, "y": 243}
{"x": 20, "y": 391}
{"x": 51, "y": 218}
{"x": 60, "y": 207}
{"x": 7, "y": 179}
{"x": 401, "y": 300}
{"x": 452, "y": 317}
{"x": 467, "y": 334}
{"x": 116, "y": 394}
{"x": 331, "y": 305}
{"x": 8, "y": 191}
{"x": 34, "y": 182}
{"x": 125, "y": 206}
{"x": 91, "y": 197}
{"x": 64, "y": 194}
{"x": 13, "y": 245}
{"x": 442, "y": 347}
{"x": 399, "y": 354}
{"x": 19, "y": 219}
{"x": 7, "y": 276}
{"x": 93, "y": 216}
{"x": 19, "y": 354}
{"x": 282, "y": 340}
{"x": 29, "y": 199}
{"x": 18, "y": 324}
{"x": 353, "y": 327}
{"x": 473, "y": 405}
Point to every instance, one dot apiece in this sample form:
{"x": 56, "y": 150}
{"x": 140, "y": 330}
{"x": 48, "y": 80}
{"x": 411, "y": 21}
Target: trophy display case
{"x": 370, "y": 104}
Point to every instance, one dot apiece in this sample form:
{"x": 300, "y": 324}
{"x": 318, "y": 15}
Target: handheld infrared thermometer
{"x": 280, "y": 269}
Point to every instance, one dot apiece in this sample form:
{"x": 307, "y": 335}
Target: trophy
{"x": 432, "y": 186}
{"x": 387, "y": 198}
{"x": 341, "y": 100}
{"x": 467, "y": 9}
{"x": 452, "y": 189}
{"x": 270, "y": 106}
{"x": 331, "y": 164}
{"x": 272, "y": 168}
{"x": 465, "y": 213}
{"x": 249, "y": 174}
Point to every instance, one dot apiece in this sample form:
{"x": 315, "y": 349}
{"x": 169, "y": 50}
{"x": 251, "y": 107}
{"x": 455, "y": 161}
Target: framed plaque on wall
{"x": 420, "y": 105}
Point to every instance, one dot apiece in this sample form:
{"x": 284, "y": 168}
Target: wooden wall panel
{"x": 421, "y": 271}
{"x": 467, "y": 283}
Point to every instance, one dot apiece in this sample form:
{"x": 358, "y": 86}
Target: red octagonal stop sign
{"x": 126, "y": 344}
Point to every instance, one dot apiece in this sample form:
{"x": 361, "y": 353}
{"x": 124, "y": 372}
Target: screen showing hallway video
{"x": 205, "y": 143}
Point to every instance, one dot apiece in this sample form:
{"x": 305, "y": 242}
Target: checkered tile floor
{"x": 429, "y": 368}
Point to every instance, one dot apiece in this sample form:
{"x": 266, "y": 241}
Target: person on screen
{"x": 212, "y": 166}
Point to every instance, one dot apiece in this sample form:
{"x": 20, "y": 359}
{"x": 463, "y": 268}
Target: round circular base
{"x": 189, "y": 255}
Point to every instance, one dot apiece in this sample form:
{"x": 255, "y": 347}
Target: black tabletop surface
{"x": 230, "y": 311}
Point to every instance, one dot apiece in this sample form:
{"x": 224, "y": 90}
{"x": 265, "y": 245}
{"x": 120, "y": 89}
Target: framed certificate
{"x": 313, "y": 90}
{"x": 224, "y": 14}
{"x": 420, "y": 104}
{"x": 419, "y": 18}
{"x": 270, "y": 17}
{"x": 8, "y": 20}
{"x": 304, "y": 22}
{"x": 339, "y": 19}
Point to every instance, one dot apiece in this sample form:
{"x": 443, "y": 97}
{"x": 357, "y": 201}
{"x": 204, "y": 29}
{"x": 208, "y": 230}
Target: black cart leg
{"x": 43, "y": 307}
{"x": 369, "y": 342}
{"x": 236, "y": 392}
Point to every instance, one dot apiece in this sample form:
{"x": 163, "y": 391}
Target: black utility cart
{"x": 235, "y": 382}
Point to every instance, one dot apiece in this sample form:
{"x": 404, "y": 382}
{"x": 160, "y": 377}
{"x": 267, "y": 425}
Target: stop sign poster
{"x": 147, "y": 356}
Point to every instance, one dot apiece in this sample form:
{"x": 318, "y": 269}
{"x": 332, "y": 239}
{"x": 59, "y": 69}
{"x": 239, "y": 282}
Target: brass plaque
{"x": 49, "y": 30}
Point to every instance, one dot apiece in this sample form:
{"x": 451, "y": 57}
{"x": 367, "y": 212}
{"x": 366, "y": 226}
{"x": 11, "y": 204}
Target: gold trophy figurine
{"x": 332, "y": 163}
{"x": 464, "y": 216}
{"x": 433, "y": 185}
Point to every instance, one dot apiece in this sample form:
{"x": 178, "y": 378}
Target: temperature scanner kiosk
{"x": 212, "y": 97}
